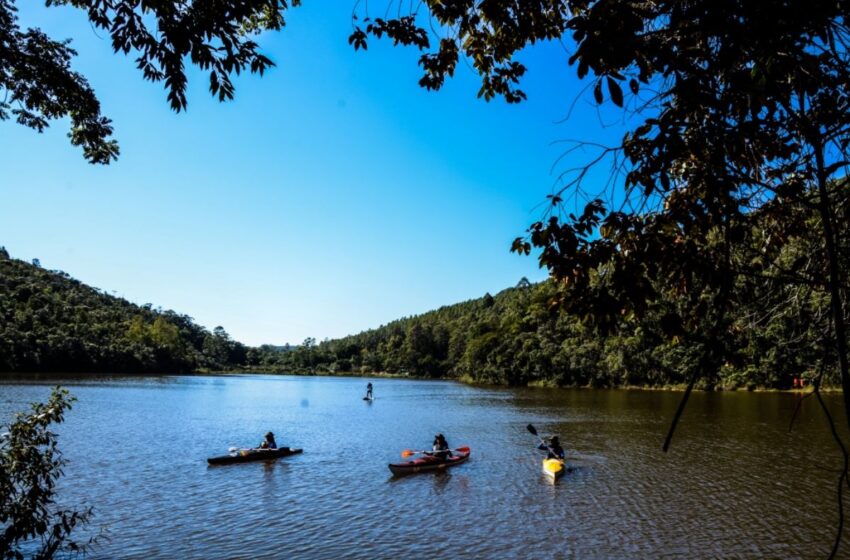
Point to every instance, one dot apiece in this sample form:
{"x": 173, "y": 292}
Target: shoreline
{"x": 465, "y": 380}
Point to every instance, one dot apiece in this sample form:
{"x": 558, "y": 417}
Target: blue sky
{"x": 333, "y": 195}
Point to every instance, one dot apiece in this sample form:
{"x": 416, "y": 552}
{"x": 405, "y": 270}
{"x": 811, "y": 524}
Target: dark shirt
{"x": 269, "y": 443}
{"x": 441, "y": 450}
{"x": 556, "y": 452}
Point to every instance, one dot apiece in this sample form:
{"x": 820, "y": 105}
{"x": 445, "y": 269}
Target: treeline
{"x": 774, "y": 332}
{"x": 520, "y": 336}
{"x": 50, "y": 322}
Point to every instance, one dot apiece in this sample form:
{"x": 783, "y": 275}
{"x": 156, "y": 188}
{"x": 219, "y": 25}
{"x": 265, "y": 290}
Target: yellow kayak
{"x": 554, "y": 468}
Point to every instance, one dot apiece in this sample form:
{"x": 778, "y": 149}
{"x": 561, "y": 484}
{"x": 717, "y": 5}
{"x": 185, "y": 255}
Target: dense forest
{"x": 517, "y": 337}
{"x": 52, "y": 322}
{"x": 720, "y": 264}
{"x": 774, "y": 328}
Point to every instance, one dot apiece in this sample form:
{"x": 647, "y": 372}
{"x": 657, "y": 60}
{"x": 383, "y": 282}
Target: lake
{"x": 736, "y": 483}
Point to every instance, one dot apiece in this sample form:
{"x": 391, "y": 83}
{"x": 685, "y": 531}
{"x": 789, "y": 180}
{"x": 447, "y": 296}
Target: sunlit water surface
{"x": 736, "y": 483}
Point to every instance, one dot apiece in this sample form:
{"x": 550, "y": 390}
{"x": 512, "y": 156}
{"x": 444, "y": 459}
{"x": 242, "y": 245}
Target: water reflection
{"x": 735, "y": 484}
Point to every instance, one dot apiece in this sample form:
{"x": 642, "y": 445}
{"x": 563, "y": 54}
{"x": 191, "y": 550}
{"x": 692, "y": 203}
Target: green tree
{"x": 218, "y": 346}
{"x": 30, "y": 467}
{"x": 137, "y": 331}
{"x": 736, "y": 107}
{"x": 51, "y": 322}
{"x": 39, "y": 85}
{"x": 165, "y": 334}
{"x": 741, "y": 115}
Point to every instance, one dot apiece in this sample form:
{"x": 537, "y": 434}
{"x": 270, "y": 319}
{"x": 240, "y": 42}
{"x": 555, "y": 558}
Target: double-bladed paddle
{"x": 244, "y": 450}
{"x": 410, "y": 452}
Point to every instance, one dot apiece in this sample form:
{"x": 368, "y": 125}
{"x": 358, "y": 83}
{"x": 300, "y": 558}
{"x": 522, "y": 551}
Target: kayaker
{"x": 554, "y": 448}
{"x": 440, "y": 448}
{"x": 369, "y": 390}
{"x": 269, "y": 442}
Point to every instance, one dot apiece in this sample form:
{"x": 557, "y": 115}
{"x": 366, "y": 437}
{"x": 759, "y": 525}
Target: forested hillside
{"x": 52, "y": 322}
{"x": 775, "y": 326}
{"x": 520, "y": 336}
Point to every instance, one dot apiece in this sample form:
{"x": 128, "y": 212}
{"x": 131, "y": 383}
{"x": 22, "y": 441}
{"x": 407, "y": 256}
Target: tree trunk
{"x": 836, "y": 302}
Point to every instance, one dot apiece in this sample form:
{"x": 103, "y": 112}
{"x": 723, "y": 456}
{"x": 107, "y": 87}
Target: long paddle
{"x": 243, "y": 450}
{"x": 533, "y": 430}
{"x": 410, "y": 452}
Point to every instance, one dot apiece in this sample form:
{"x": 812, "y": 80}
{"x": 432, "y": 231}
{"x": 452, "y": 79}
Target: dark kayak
{"x": 246, "y": 455}
{"x": 427, "y": 463}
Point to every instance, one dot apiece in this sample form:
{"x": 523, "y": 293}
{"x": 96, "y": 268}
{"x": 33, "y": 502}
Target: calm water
{"x": 736, "y": 484}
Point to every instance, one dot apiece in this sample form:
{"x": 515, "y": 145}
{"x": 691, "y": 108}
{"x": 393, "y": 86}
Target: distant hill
{"x": 52, "y": 322}
{"x": 513, "y": 338}
{"x": 520, "y": 337}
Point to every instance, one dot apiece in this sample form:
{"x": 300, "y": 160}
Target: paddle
{"x": 533, "y": 430}
{"x": 410, "y": 452}
{"x": 245, "y": 450}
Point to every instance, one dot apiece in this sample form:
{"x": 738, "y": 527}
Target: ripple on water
{"x": 736, "y": 484}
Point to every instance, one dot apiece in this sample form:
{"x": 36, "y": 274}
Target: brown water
{"x": 736, "y": 483}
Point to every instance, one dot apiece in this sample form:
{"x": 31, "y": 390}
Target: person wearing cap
{"x": 269, "y": 442}
{"x": 554, "y": 448}
{"x": 440, "y": 448}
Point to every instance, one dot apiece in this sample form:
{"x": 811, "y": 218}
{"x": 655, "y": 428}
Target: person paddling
{"x": 440, "y": 448}
{"x": 369, "y": 390}
{"x": 269, "y": 442}
{"x": 554, "y": 449}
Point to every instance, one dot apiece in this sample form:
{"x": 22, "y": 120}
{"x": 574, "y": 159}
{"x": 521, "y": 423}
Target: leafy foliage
{"x": 739, "y": 107}
{"x": 526, "y": 335}
{"x": 35, "y": 70}
{"x": 51, "y": 322}
{"x": 488, "y": 34}
{"x": 30, "y": 467}
{"x": 39, "y": 86}
{"x": 523, "y": 335}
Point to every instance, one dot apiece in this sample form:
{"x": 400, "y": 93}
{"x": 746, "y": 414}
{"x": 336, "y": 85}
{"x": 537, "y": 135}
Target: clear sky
{"x": 333, "y": 195}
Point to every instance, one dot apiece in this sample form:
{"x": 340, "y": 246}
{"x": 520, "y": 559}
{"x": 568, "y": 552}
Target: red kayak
{"x": 427, "y": 463}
